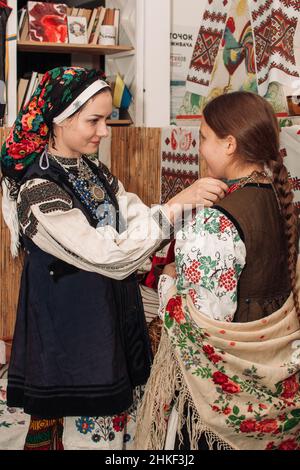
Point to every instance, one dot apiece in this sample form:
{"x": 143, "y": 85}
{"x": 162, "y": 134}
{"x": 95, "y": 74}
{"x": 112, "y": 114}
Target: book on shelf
{"x": 24, "y": 30}
{"x": 117, "y": 23}
{"x": 74, "y": 11}
{"x": 22, "y": 87}
{"x": 31, "y": 87}
{"x": 47, "y": 22}
{"x": 77, "y": 29}
{"x": 91, "y": 23}
{"x": 96, "y": 28}
{"x": 109, "y": 17}
{"x": 87, "y": 13}
{"x": 21, "y": 19}
{"x": 26, "y": 88}
{"x": 112, "y": 18}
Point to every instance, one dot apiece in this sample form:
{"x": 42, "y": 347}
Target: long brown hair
{"x": 251, "y": 120}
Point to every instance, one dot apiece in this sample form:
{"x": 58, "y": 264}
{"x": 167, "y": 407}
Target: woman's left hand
{"x": 170, "y": 270}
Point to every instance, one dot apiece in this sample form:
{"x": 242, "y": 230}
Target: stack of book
{"x": 26, "y": 88}
{"x": 56, "y": 22}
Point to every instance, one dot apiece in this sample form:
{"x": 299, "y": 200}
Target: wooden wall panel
{"x": 135, "y": 160}
{"x": 10, "y": 273}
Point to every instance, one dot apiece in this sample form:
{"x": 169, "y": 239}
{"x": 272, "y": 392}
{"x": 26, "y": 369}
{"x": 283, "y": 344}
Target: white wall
{"x": 11, "y": 36}
{"x": 157, "y": 22}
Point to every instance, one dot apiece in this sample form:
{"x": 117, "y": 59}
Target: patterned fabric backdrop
{"x": 234, "y": 67}
{"x": 179, "y": 160}
{"x": 290, "y": 145}
{"x": 207, "y": 46}
{"x": 265, "y": 44}
{"x": 274, "y": 25}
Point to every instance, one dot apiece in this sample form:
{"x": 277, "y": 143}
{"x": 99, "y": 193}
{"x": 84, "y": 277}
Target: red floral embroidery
{"x": 192, "y": 273}
{"x": 210, "y": 352}
{"x": 227, "y": 280}
{"x": 267, "y": 425}
{"x": 19, "y": 150}
{"x": 174, "y": 308}
{"x": 248, "y": 425}
{"x": 119, "y": 422}
{"x": 270, "y": 446}
{"x": 215, "y": 408}
{"x": 224, "y": 223}
{"x": 192, "y": 293}
{"x": 227, "y": 385}
{"x": 220, "y": 378}
{"x": 215, "y": 358}
{"x": 19, "y": 166}
{"x": 289, "y": 444}
{"x": 282, "y": 417}
{"x": 208, "y": 349}
{"x": 262, "y": 406}
{"x": 231, "y": 387}
{"x": 290, "y": 387}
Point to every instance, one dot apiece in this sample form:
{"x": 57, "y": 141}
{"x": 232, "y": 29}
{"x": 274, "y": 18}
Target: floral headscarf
{"x": 30, "y": 134}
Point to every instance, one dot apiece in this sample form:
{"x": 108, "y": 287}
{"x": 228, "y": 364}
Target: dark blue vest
{"x": 81, "y": 343}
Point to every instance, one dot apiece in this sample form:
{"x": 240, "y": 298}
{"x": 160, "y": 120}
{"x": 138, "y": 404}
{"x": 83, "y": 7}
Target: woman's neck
{"x": 63, "y": 152}
{"x": 238, "y": 172}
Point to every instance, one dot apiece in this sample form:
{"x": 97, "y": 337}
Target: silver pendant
{"x": 97, "y": 193}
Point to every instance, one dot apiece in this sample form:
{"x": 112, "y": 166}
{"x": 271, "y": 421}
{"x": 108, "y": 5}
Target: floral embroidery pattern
{"x": 245, "y": 405}
{"x": 103, "y": 432}
{"x": 14, "y": 423}
{"x": 210, "y": 257}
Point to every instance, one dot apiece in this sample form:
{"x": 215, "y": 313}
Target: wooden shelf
{"x": 118, "y": 122}
{"x": 60, "y": 48}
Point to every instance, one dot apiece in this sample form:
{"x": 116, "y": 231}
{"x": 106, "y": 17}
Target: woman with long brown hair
{"x": 226, "y": 375}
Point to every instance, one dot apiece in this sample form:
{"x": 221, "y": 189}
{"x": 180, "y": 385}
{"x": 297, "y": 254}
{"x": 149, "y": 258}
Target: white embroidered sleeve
{"x": 210, "y": 256}
{"x": 164, "y": 284}
{"x": 64, "y": 232}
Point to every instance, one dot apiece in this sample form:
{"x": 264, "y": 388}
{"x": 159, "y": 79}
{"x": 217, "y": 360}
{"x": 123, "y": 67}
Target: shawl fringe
{"x": 165, "y": 382}
{"x": 10, "y": 216}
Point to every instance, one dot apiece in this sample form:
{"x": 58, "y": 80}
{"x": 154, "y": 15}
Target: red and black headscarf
{"x": 58, "y": 94}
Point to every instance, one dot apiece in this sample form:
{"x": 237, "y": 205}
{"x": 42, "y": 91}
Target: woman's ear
{"x": 231, "y": 145}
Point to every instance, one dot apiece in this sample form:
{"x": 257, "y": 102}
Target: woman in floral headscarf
{"x": 80, "y": 344}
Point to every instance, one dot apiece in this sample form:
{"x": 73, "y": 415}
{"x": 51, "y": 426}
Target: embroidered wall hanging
{"x": 290, "y": 145}
{"x": 269, "y": 53}
{"x": 179, "y": 160}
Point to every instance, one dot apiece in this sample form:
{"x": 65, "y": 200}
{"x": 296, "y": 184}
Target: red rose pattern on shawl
{"x": 209, "y": 363}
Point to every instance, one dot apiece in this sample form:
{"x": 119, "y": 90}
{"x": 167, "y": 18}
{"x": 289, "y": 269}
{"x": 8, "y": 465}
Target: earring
{"x": 44, "y": 160}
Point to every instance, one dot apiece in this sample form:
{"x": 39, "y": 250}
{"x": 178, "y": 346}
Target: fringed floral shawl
{"x": 238, "y": 383}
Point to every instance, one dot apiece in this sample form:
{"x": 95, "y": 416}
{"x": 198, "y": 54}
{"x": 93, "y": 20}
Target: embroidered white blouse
{"x": 48, "y": 218}
{"x": 209, "y": 257}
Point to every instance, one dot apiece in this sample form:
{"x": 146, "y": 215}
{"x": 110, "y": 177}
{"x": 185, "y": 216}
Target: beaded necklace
{"x": 254, "y": 177}
{"x": 89, "y": 188}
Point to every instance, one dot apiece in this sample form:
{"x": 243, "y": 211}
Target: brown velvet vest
{"x": 264, "y": 284}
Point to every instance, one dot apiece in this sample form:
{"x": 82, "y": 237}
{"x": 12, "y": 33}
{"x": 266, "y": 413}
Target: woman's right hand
{"x": 205, "y": 191}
